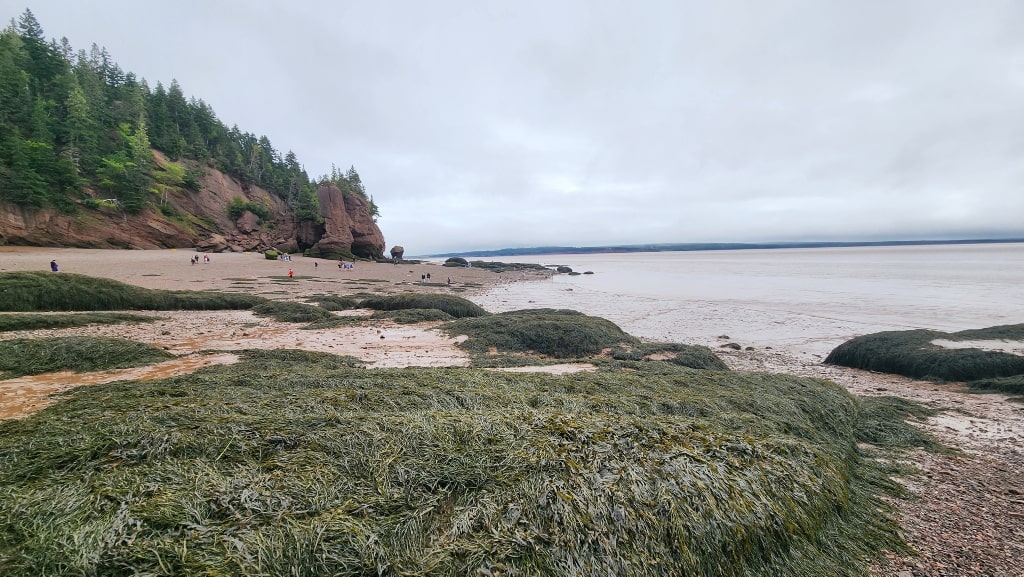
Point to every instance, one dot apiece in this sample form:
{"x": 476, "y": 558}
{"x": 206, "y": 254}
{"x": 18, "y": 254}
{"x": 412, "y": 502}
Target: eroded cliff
{"x": 202, "y": 218}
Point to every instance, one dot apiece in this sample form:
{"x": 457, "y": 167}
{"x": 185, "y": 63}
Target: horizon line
{"x": 710, "y": 246}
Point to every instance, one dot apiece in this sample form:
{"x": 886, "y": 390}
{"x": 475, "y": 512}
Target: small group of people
{"x": 195, "y": 259}
{"x": 425, "y": 277}
{"x": 284, "y": 256}
{"x": 346, "y": 265}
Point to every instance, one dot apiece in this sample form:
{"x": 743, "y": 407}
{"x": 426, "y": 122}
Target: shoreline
{"x": 962, "y": 521}
{"x": 171, "y": 269}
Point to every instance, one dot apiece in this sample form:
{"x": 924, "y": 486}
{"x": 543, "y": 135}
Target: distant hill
{"x": 692, "y": 246}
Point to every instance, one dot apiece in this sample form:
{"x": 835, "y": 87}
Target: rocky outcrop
{"x": 202, "y": 219}
{"x": 397, "y": 252}
{"x": 348, "y": 227}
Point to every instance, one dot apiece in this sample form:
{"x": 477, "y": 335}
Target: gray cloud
{"x": 492, "y": 124}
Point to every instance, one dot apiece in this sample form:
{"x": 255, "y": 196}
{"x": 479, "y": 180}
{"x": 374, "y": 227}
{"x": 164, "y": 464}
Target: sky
{"x": 484, "y": 125}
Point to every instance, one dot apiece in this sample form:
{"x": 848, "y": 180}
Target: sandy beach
{"x": 252, "y": 272}
{"x": 965, "y": 520}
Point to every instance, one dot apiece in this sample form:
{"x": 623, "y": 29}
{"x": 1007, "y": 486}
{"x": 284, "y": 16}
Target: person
{"x": 428, "y": 276}
{"x": 316, "y": 265}
{"x": 449, "y": 280}
{"x": 423, "y": 277}
{"x": 53, "y": 265}
{"x": 291, "y": 273}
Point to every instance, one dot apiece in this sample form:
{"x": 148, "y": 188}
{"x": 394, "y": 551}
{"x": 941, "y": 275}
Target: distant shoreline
{"x": 700, "y": 246}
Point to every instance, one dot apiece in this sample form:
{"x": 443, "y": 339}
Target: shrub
{"x": 457, "y": 307}
{"x": 238, "y": 206}
{"x": 557, "y": 333}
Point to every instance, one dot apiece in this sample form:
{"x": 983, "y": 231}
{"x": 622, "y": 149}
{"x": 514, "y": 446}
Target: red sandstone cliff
{"x": 348, "y": 227}
{"x": 201, "y": 219}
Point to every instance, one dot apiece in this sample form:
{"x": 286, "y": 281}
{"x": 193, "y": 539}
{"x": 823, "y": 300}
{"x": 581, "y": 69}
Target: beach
{"x": 969, "y": 504}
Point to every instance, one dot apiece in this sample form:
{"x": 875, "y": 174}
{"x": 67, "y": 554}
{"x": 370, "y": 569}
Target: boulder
{"x": 564, "y": 269}
{"x": 248, "y": 222}
{"x": 215, "y": 243}
{"x": 397, "y": 252}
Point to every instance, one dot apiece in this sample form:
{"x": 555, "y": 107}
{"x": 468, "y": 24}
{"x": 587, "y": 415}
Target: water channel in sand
{"x": 805, "y": 301}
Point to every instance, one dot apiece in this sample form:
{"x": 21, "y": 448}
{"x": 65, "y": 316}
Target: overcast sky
{"x": 480, "y": 125}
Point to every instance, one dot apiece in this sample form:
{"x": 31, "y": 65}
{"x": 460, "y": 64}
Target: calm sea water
{"x": 803, "y": 300}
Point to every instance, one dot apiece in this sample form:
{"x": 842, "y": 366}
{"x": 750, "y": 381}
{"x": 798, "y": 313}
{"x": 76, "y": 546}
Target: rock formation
{"x": 397, "y": 252}
{"x": 202, "y": 219}
{"x": 348, "y": 228}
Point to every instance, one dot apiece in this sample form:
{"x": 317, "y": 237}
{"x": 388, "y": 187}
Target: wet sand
{"x": 968, "y": 508}
{"x": 252, "y": 272}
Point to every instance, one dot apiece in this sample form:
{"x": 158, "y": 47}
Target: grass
{"x": 413, "y": 316}
{"x": 1010, "y": 385}
{"x": 693, "y": 356}
{"x": 292, "y": 312}
{"x": 33, "y": 322}
{"x": 334, "y": 302}
{"x": 883, "y": 422}
{"x": 294, "y": 463}
{"x": 80, "y": 354}
{"x": 457, "y": 307}
{"x": 43, "y": 291}
{"x": 556, "y": 333}
{"x": 910, "y": 353}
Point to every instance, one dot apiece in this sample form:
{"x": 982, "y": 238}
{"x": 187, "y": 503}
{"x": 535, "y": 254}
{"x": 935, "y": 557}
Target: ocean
{"x": 805, "y": 301}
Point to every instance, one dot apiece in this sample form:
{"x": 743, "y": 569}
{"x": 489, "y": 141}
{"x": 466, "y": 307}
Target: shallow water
{"x": 802, "y": 300}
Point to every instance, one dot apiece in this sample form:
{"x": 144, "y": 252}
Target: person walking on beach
{"x": 53, "y": 265}
{"x": 291, "y": 273}
{"x": 316, "y": 265}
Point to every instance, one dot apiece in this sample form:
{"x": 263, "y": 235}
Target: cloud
{"x": 484, "y": 125}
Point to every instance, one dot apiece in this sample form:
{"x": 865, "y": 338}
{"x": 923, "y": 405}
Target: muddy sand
{"x": 967, "y": 517}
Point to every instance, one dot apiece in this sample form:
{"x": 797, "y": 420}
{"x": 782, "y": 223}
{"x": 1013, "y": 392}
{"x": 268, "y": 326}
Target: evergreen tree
{"x": 73, "y": 123}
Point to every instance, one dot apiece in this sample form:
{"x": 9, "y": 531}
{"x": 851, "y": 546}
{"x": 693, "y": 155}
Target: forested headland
{"x": 77, "y": 131}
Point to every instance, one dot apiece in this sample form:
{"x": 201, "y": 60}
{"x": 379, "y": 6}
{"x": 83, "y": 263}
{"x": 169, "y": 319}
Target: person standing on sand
{"x": 291, "y": 273}
{"x": 53, "y": 265}
{"x": 316, "y": 265}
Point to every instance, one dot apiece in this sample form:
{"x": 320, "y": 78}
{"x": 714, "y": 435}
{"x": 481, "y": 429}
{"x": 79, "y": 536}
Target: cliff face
{"x": 201, "y": 219}
{"x": 348, "y": 227}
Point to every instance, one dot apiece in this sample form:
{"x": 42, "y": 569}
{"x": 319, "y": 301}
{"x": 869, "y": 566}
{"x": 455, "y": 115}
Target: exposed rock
{"x": 349, "y": 230}
{"x": 215, "y": 243}
{"x": 202, "y": 220}
{"x": 397, "y": 252}
{"x": 733, "y": 346}
{"x": 564, "y": 269}
{"x": 248, "y": 222}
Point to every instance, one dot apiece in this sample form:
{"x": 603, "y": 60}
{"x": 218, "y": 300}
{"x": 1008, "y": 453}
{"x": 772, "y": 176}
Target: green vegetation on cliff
{"x": 76, "y": 131}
